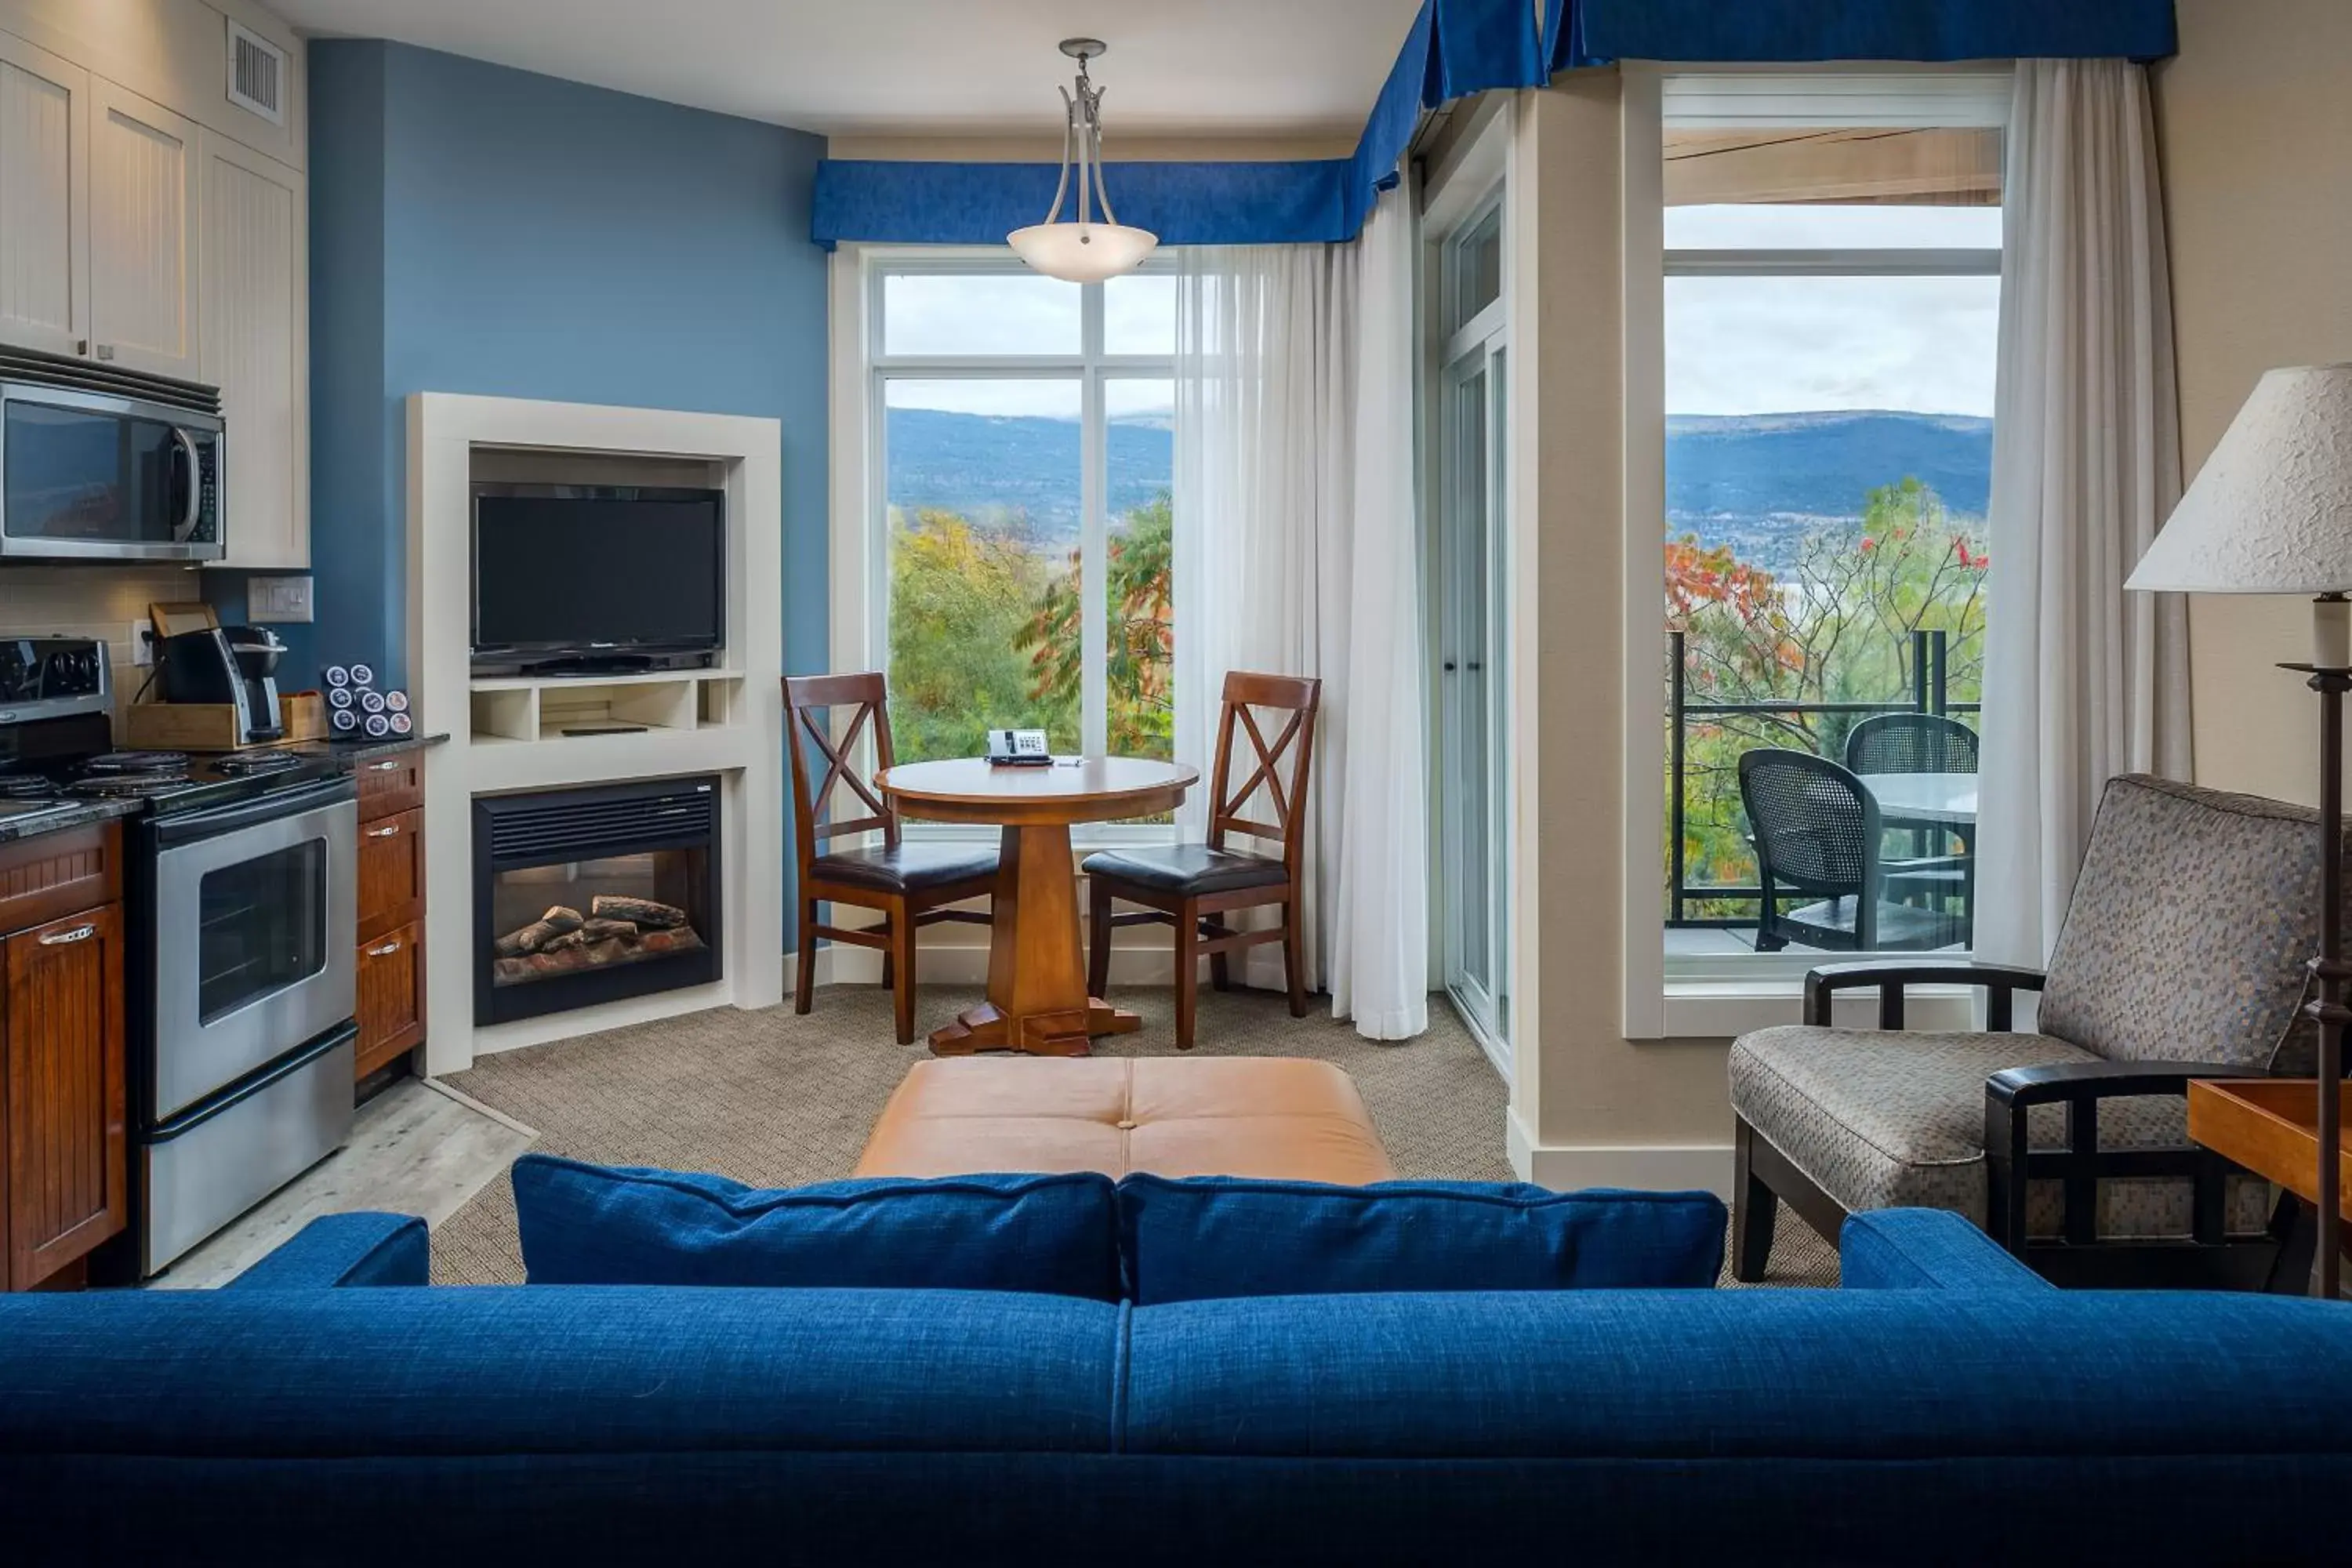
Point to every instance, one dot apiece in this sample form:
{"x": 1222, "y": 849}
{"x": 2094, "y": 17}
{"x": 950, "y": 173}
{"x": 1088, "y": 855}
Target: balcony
{"x": 1713, "y": 894}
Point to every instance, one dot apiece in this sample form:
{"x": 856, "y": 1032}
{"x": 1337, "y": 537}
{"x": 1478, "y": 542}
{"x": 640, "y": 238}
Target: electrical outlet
{"x": 282, "y": 599}
{"x": 142, "y": 643}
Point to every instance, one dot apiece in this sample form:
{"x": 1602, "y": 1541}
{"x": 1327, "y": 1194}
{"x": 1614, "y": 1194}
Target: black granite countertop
{"x": 80, "y": 814}
{"x": 357, "y": 752}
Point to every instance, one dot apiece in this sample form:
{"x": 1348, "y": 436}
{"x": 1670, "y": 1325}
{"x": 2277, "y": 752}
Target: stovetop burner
{"x": 27, "y": 786}
{"x": 239, "y": 763}
{"x": 174, "y": 763}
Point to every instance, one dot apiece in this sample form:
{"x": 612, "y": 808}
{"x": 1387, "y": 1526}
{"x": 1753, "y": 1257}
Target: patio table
{"x": 1925, "y": 800}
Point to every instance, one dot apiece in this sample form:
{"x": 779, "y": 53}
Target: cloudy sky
{"x": 1733, "y": 345}
{"x": 1779, "y": 345}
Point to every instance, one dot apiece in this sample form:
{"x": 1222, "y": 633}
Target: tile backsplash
{"x": 92, "y": 601}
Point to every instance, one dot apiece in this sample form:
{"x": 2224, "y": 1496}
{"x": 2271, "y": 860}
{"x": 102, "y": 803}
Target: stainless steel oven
{"x": 245, "y": 1080}
{"x": 100, "y": 464}
{"x": 256, "y": 923}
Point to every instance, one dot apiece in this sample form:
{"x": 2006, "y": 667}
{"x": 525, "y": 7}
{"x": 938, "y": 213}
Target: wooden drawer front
{"x": 391, "y": 874}
{"x": 389, "y": 786}
{"x": 53, "y": 874}
{"x": 392, "y": 995}
{"x": 67, "y": 1170}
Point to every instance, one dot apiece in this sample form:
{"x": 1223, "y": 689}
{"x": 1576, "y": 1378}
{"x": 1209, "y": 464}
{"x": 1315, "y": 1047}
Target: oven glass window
{"x": 263, "y": 926}
{"x": 73, "y": 474}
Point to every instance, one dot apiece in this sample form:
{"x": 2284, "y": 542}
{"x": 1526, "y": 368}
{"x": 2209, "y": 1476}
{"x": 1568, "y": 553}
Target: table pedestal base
{"x": 983, "y": 1028}
{"x": 1037, "y": 1002}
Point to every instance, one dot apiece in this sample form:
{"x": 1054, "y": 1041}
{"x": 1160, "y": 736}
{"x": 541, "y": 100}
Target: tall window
{"x": 1832, "y": 253}
{"x": 1024, "y": 463}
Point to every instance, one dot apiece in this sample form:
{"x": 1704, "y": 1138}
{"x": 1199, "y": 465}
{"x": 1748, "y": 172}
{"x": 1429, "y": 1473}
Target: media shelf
{"x": 523, "y": 709}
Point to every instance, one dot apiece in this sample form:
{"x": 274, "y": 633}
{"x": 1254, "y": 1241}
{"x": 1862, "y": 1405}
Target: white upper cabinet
{"x": 44, "y": 199}
{"x": 142, "y": 233}
{"x": 256, "y": 347}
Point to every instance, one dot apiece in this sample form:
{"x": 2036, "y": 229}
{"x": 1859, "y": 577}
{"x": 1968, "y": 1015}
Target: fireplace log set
{"x": 615, "y": 929}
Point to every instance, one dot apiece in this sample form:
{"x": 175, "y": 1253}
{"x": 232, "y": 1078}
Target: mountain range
{"x": 1756, "y": 482}
{"x": 1759, "y": 482}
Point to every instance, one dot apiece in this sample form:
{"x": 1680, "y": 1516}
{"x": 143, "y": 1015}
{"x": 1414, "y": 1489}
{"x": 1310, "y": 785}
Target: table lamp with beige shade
{"x": 2271, "y": 512}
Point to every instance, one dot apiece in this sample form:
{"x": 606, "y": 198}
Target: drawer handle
{"x": 391, "y": 832}
{"x": 386, "y": 950}
{"x": 78, "y": 933}
{"x": 384, "y": 767}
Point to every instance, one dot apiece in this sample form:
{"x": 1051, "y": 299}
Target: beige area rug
{"x": 779, "y": 1100}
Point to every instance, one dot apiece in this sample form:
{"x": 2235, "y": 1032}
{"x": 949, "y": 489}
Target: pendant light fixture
{"x": 1085, "y": 251}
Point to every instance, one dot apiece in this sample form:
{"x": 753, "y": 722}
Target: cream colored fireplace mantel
{"x": 504, "y": 733}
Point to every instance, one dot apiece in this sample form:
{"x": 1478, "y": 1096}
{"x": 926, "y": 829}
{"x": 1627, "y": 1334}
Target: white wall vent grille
{"x": 256, "y": 74}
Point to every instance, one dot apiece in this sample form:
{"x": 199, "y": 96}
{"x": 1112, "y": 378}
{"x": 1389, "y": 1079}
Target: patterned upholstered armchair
{"x": 2182, "y": 956}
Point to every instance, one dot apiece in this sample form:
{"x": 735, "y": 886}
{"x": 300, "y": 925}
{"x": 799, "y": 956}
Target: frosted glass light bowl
{"x": 1082, "y": 252}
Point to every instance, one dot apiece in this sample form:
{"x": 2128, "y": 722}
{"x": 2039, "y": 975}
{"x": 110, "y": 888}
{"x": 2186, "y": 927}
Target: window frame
{"x": 1684, "y": 996}
{"x": 1091, "y": 368}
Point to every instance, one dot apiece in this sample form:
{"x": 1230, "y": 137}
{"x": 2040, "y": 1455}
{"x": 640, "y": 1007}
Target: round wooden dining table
{"x": 1037, "y": 1001}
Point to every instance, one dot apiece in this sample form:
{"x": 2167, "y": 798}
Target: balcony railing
{"x": 1930, "y": 693}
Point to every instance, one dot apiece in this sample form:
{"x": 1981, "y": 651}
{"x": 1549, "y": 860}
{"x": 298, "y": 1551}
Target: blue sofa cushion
{"x": 340, "y": 1249}
{"x": 596, "y": 1225}
{"x": 1212, "y": 1238}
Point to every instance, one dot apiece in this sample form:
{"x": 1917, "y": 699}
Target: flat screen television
{"x": 597, "y": 578}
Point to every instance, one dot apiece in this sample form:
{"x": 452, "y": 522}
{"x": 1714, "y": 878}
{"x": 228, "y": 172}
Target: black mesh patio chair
{"x": 1911, "y": 743}
{"x": 1920, "y": 743}
{"x": 1817, "y": 832}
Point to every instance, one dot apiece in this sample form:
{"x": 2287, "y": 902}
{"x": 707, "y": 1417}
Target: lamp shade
{"x": 2271, "y": 512}
{"x": 1082, "y": 252}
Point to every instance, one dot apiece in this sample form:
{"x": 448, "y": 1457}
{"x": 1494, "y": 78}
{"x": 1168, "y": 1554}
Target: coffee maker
{"x": 233, "y": 664}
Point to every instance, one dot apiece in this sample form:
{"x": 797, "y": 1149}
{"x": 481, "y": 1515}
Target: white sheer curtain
{"x": 2082, "y": 681}
{"x": 1297, "y": 554}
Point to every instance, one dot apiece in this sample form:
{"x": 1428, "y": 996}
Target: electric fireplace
{"x": 587, "y": 896}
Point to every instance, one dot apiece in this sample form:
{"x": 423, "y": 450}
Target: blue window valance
{"x": 1601, "y": 32}
{"x": 1455, "y": 48}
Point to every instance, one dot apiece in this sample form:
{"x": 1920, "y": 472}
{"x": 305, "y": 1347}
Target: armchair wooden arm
{"x": 2001, "y": 983}
{"x": 2010, "y": 1162}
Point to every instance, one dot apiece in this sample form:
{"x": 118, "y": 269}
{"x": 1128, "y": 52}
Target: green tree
{"x": 960, "y": 600}
{"x": 1139, "y": 586}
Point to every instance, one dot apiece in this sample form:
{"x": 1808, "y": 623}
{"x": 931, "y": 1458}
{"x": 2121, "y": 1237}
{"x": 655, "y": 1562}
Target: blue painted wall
{"x": 480, "y": 229}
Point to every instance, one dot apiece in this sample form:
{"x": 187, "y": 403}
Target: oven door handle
{"x": 171, "y": 832}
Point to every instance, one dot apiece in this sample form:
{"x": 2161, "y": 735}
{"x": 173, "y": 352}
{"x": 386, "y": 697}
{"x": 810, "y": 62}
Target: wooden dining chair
{"x": 911, "y": 884}
{"x": 1188, "y": 886}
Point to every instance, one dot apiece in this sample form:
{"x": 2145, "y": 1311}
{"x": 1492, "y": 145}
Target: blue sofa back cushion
{"x": 596, "y": 1225}
{"x": 1207, "y": 1238}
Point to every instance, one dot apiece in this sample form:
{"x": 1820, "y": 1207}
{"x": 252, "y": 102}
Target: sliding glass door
{"x": 1468, "y": 558}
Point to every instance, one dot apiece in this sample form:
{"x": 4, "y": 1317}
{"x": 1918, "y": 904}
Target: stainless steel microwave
{"x": 99, "y": 464}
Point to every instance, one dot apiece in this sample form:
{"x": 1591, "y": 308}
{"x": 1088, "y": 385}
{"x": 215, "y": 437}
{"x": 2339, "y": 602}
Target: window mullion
{"x": 1094, "y": 563}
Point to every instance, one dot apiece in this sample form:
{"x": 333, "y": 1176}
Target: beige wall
{"x": 2255, "y": 122}
{"x": 1580, "y": 1086}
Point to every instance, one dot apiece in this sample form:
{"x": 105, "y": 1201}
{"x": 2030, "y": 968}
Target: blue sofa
{"x": 1944, "y": 1406}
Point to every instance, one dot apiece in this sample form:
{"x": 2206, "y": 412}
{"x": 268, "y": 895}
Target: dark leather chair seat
{"x": 1191, "y": 869}
{"x": 908, "y": 868}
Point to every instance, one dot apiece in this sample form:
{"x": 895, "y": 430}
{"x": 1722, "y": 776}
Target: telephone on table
{"x": 1019, "y": 749}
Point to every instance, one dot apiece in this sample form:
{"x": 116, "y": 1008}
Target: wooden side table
{"x": 1037, "y": 1000}
{"x": 2271, "y": 1126}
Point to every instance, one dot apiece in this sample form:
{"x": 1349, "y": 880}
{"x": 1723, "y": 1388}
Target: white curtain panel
{"x": 1297, "y": 554}
{"x": 2082, "y": 681}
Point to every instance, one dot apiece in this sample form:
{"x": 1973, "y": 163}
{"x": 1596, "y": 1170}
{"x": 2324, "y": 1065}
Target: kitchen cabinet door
{"x": 67, "y": 1148}
{"x": 43, "y": 200}
{"x": 391, "y": 996}
{"x": 392, "y": 873}
{"x": 142, "y": 233}
{"x": 255, "y": 347}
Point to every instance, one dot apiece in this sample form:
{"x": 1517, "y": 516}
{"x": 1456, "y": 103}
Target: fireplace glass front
{"x": 590, "y": 896}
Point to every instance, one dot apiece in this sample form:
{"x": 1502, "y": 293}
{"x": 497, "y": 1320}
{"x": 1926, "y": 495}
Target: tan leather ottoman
{"x": 1268, "y": 1116}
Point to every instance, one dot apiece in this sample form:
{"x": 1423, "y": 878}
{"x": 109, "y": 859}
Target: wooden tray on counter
{"x": 212, "y": 726}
